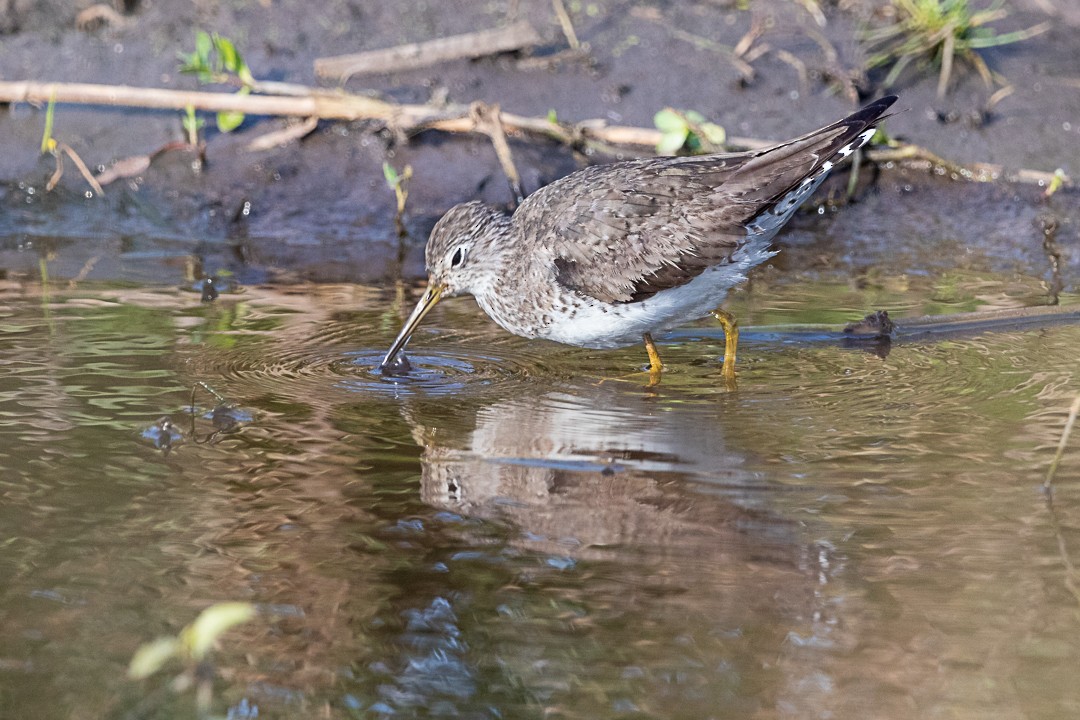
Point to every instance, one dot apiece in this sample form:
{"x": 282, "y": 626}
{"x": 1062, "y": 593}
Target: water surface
{"x": 523, "y": 530}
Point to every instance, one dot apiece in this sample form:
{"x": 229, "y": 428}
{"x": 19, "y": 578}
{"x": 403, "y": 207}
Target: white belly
{"x": 600, "y": 325}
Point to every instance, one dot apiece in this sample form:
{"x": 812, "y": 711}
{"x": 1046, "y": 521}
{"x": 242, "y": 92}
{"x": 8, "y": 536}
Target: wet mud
{"x": 319, "y": 209}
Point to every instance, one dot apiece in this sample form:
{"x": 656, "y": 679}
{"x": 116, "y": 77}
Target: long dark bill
{"x": 427, "y": 301}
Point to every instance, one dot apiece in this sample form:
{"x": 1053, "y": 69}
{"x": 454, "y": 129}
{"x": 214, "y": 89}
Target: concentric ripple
{"x": 309, "y": 372}
{"x": 432, "y": 373}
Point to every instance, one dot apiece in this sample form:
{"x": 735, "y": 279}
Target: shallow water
{"x": 522, "y": 530}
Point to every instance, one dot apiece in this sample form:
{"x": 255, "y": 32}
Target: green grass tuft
{"x": 938, "y": 32}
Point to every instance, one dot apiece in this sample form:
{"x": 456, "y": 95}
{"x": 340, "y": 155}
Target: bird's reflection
{"x": 590, "y": 467}
{"x": 661, "y": 524}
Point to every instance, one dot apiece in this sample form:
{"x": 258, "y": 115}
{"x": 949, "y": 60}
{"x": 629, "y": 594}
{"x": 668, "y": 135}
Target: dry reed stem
{"x": 415, "y": 55}
{"x": 411, "y": 119}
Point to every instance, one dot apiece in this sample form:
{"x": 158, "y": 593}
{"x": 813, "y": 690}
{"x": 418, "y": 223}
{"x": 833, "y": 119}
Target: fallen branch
{"x": 332, "y": 105}
{"x": 415, "y": 55}
{"x": 325, "y": 104}
{"x": 411, "y": 119}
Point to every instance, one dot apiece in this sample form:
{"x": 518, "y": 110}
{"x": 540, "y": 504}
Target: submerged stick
{"x": 1069, "y": 422}
{"x": 415, "y": 55}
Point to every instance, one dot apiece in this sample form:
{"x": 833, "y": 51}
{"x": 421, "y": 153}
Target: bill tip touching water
{"x": 611, "y": 254}
{"x": 395, "y": 364}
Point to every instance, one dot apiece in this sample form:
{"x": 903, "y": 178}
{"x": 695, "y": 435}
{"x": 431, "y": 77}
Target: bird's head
{"x": 464, "y": 256}
{"x": 465, "y": 250}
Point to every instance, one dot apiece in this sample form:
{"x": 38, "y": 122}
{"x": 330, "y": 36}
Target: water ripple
{"x": 435, "y": 372}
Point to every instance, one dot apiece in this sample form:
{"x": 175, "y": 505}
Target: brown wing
{"x": 623, "y": 232}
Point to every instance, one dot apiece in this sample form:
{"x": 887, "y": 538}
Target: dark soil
{"x": 320, "y": 208}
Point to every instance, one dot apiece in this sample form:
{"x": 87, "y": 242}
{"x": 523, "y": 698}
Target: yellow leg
{"x": 656, "y": 367}
{"x": 731, "y": 341}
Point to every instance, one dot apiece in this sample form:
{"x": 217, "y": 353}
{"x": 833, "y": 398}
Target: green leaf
{"x": 693, "y": 117}
{"x": 230, "y": 59}
{"x": 1056, "y": 182}
{"x": 203, "y": 45}
{"x": 227, "y": 54}
{"x": 245, "y": 74}
{"x": 151, "y": 656}
{"x": 193, "y": 64}
{"x": 198, "y": 637}
{"x": 48, "y": 144}
{"x": 214, "y": 57}
{"x": 552, "y": 117}
{"x": 229, "y": 121}
{"x": 672, "y": 142}
{"x": 192, "y": 122}
{"x": 390, "y": 174}
{"x": 187, "y": 62}
{"x": 668, "y": 120}
{"x": 714, "y": 133}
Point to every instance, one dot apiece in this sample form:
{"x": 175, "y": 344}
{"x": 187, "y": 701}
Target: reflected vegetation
{"x": 521, "y": 530}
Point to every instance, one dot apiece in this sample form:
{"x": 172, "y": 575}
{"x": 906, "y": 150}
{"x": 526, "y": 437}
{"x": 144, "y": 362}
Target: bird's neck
{"x": 498, "y": 247}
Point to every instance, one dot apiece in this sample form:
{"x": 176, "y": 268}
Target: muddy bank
{"x": 320, "y": 209}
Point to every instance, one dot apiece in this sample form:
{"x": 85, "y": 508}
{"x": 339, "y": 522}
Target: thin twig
{"x": 946, "y": 62}
{"x": 293, "y": 131}
{"x": 85, "y": 171}
{"x": 976, "y": 172}
{"x": 564, "y": 22}
{"x": 99, "y": 13}
{"x": 814, "y": 10}
{"x": 62, "y": 149}
{"x": 84, "y": 271}
{"x": 799, "y": 65}
{"x": 703, "y": 43}
{"x": 747, "y": 41}
{"x": 998, "y": 95}
{"x": 489, "y": 120}
{"x": 415, "y": 55}
{"x": 58, "y": 173}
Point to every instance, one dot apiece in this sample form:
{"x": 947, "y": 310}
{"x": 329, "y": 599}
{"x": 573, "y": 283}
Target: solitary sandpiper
{"x": 611, "y": 254}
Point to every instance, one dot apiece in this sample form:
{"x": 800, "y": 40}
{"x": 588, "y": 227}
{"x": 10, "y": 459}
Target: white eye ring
{"x": 458, "y": 258}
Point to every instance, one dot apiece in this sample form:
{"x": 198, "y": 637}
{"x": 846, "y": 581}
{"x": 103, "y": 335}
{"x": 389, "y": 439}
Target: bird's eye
{"x": 458, "y": 258}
